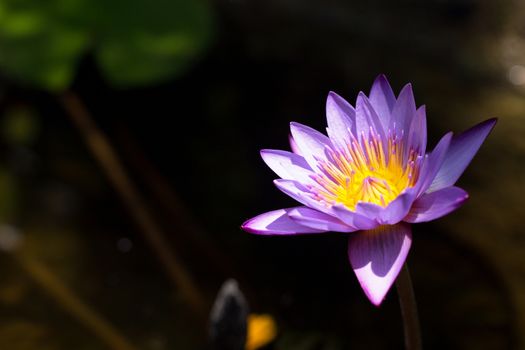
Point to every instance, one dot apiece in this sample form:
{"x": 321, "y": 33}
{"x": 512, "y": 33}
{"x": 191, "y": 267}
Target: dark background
{"x": 189, "y": 139}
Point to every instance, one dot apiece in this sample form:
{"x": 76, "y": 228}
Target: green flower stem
{"x": 407, "y": 302}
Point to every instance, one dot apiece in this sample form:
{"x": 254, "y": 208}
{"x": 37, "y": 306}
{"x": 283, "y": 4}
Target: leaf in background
{"x": 143, "y": 42}
{"x": 40, "y": 42}
{"x": 136, "y": 42}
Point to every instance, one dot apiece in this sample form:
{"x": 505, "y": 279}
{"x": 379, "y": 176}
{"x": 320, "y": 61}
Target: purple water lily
{"x": 370, "y": 176}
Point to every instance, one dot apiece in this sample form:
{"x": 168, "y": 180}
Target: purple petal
{"x": 287, "y": 165}
{"x": 340, "y": 116}
{"x": 391, "y": 214}
{"x": 398, "y": 208}
{"x": 317, "y": 220}
{"x": 293, "y": 145}
{"x": 276, "y": 222}
{"x": 310, "y": 143}
{"x": 382, "y": 99}
{"x": 436, "y": 204}
{"x": 353, "y": 219}
{"x": 366, "y": 118}
{"x": 377, "y": 256}
{"x": 403, "y": 112}
{"x": 369, "y": 210}
{"x": 433, "y": 163}
{"x": 301, "y": 193}
{"x": 460, "y": 153}
{"x": 417, "y": 136}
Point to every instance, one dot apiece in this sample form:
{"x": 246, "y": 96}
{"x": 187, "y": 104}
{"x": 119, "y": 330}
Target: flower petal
{"x": 398, "y": 208}
{"x": 403, "y": 112}
{"x": 417, "y": 136}
{"x": 358, "y": 220}
{"x": 391, "y": 214}
{"x": 377, "y": 256}
{"x": 460, "y": 153}
{"x": 340, "y": 116}
{"x": 276, "y": 222}
{"x": 287, "y": 165}
{"x": 369, "y": 210}
{"x": 315, "y": 219}
{"x": 293, "y": 145}
{"x": 310, "y": 143}
{"x": 432, "y": 163}
{"x": 366, "y": 119}
{"x": 302, "y": 194}
{"x": 436, "y": 204}
{"x": 382, "y": 99}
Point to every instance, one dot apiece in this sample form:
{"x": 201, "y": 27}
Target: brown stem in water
{"x": 179, "y": 216}
{"x": 103, "y": 152}
{"x": 71, "y": 303}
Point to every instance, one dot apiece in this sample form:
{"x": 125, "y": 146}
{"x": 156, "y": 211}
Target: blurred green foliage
{"x": 19, "y": 126}
{"x": 135, "y": 42}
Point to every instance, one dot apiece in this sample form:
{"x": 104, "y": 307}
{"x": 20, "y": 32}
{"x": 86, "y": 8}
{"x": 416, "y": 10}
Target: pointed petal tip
{"x": 361, "y": 96}
{"x": 434, "y": 205}
{"x": 335, "y": 96}
{"x": 293, "y": 145}
{"x": 381, "y": 78}
{"x": 407, "y": 89}
{"x": 377, "y": 257}
{"x": 376, "y": 299}
{"x": 251, "y": 225}
{"x": 276, "y": 223}
{"x": 334, "y": 99}
{"x": 265, "y": 153}
{"x": 247, "y": 227}
{"x": 462, "y": 150}
{"x": 488, "y": 125}
{"x": 490, "y": 122}
{"x": 375, "y": 296}
{"x": 297, "y": 126}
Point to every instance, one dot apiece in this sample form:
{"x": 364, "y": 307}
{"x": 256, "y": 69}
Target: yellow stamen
{"x": 366, "y": 172}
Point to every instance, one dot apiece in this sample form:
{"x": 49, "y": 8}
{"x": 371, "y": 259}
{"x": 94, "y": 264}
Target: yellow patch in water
{"x": 261, "y": 331}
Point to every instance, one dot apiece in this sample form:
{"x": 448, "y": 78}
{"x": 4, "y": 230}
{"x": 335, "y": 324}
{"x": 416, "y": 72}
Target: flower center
{"x": 370, "y": 171}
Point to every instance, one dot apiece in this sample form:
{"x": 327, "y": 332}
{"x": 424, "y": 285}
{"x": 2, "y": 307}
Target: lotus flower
{"x": 371, "y": 176}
